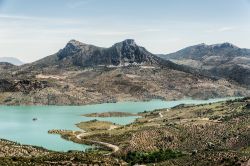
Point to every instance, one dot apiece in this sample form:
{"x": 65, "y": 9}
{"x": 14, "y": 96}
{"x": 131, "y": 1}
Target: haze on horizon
{"x": 30, "y": 30}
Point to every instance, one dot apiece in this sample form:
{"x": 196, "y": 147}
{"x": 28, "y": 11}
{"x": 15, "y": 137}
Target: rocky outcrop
{"x": 28, "y": 85}
{"x": 120, "y": 54}
{"x": 22, "y": 85}
{"x": 5, "y": 86}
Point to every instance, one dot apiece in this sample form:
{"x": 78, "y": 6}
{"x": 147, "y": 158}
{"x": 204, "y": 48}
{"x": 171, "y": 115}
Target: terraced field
{"x": 13, "y": 154}
{"x": 211, "y": 134}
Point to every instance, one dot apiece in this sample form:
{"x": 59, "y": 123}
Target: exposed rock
{"x": 5, "y": 85}
{"x": 120, "y": 54}
{"x": 21, "y": 85}
{"x": 28, "y": 85}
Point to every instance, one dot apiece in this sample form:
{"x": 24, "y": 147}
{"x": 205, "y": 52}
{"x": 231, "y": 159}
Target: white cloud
{"x": 224, "y": 29}
{"x": 32, "y": 38}
{"x": 78, "y": 3}
{"x": 221, "y": 29}
{"x": 15, "y": 17}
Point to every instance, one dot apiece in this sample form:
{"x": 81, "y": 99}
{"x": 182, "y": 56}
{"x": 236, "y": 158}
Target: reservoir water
{"x": 17, "y": 124}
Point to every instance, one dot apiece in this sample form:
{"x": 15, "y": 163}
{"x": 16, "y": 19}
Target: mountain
{"x": 11, "y": 60}
{"x": 125, "y": 53}
{"x": 85, "y": 74}
{"x": 224, "y": 60}
{"x": 79, "y": 54}
{"x": 6, "y": 65}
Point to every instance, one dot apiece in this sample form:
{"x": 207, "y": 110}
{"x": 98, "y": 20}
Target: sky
{"x": 33, "y": 29}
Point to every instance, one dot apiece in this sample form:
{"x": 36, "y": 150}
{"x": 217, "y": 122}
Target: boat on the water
{"x": 34, "y": 119}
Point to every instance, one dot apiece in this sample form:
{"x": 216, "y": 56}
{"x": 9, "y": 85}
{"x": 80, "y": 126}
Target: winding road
{"x": 111, "y": 146}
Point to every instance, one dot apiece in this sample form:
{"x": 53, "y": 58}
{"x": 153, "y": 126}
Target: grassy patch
{"x": 94, "y": 125}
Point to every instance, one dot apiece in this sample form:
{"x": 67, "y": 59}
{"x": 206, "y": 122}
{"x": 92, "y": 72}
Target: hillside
{"x": 85, "y": 74}
{"x": 15, "y": 154}
{"x": 224, "y": 60}
{"x": 208, "y": 134}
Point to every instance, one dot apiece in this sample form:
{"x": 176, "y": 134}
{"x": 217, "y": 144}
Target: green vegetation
{"x": 133, "y": 158}
{"x": 206, "y": 134}
{"x": 110, "y": 114}
{"x": 13, "y": 154}
{"x": 96, "y": 125}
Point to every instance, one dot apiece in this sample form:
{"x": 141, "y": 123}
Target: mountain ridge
{"x": 86, "y": 55}
{"x": 222, "y": 60}
{"x": 208, "y": 50}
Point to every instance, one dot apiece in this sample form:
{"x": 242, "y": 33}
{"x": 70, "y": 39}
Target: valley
{"x": 81, "y": 74}
{"x": 124, "y": 83}
{"x": 122, "y": 105}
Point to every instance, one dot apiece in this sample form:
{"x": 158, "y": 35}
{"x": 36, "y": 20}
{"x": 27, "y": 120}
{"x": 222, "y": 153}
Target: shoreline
{"x": 164, "y": 127}
{"x": 226, "y": 99}
{"x": 126, "y": 101}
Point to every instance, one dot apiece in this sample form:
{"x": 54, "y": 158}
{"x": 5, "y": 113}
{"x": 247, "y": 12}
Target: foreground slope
{"x": 209, "y": 134}
{"x": 22, "y": 155}
{"x": 85, "y": 74}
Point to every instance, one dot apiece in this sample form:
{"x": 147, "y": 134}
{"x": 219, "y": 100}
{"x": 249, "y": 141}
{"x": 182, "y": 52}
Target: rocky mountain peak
{"x": 71, "y": 48}
{"x": 74, "y": 42}
{"x": 224, "y": 45}
{"x": 128, "y": 52}
{"x": 123, "y": 53}
{"x": 128, "y": 43}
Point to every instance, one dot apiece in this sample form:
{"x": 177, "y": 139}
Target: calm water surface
{"x": 16, "y": 122}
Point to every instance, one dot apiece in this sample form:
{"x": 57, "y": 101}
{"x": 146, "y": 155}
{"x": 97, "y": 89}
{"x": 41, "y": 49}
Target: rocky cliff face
{"x": 120, "y": 54}
{"x": 5, "y": 85}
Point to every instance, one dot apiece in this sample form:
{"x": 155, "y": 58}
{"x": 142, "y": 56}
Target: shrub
{"x": 151, "y": 157}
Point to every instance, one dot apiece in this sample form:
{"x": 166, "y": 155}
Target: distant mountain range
{"x": 11, "y": 60}
{"x": 222, "y": 60}
{"x": 84, "y": 74}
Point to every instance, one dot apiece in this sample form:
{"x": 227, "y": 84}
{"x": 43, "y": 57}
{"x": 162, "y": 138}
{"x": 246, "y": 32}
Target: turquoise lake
{"x": 16, "y": 122}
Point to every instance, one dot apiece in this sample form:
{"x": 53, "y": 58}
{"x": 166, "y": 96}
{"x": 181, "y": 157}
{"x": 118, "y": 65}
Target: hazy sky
{"x": 32, "y": 29}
